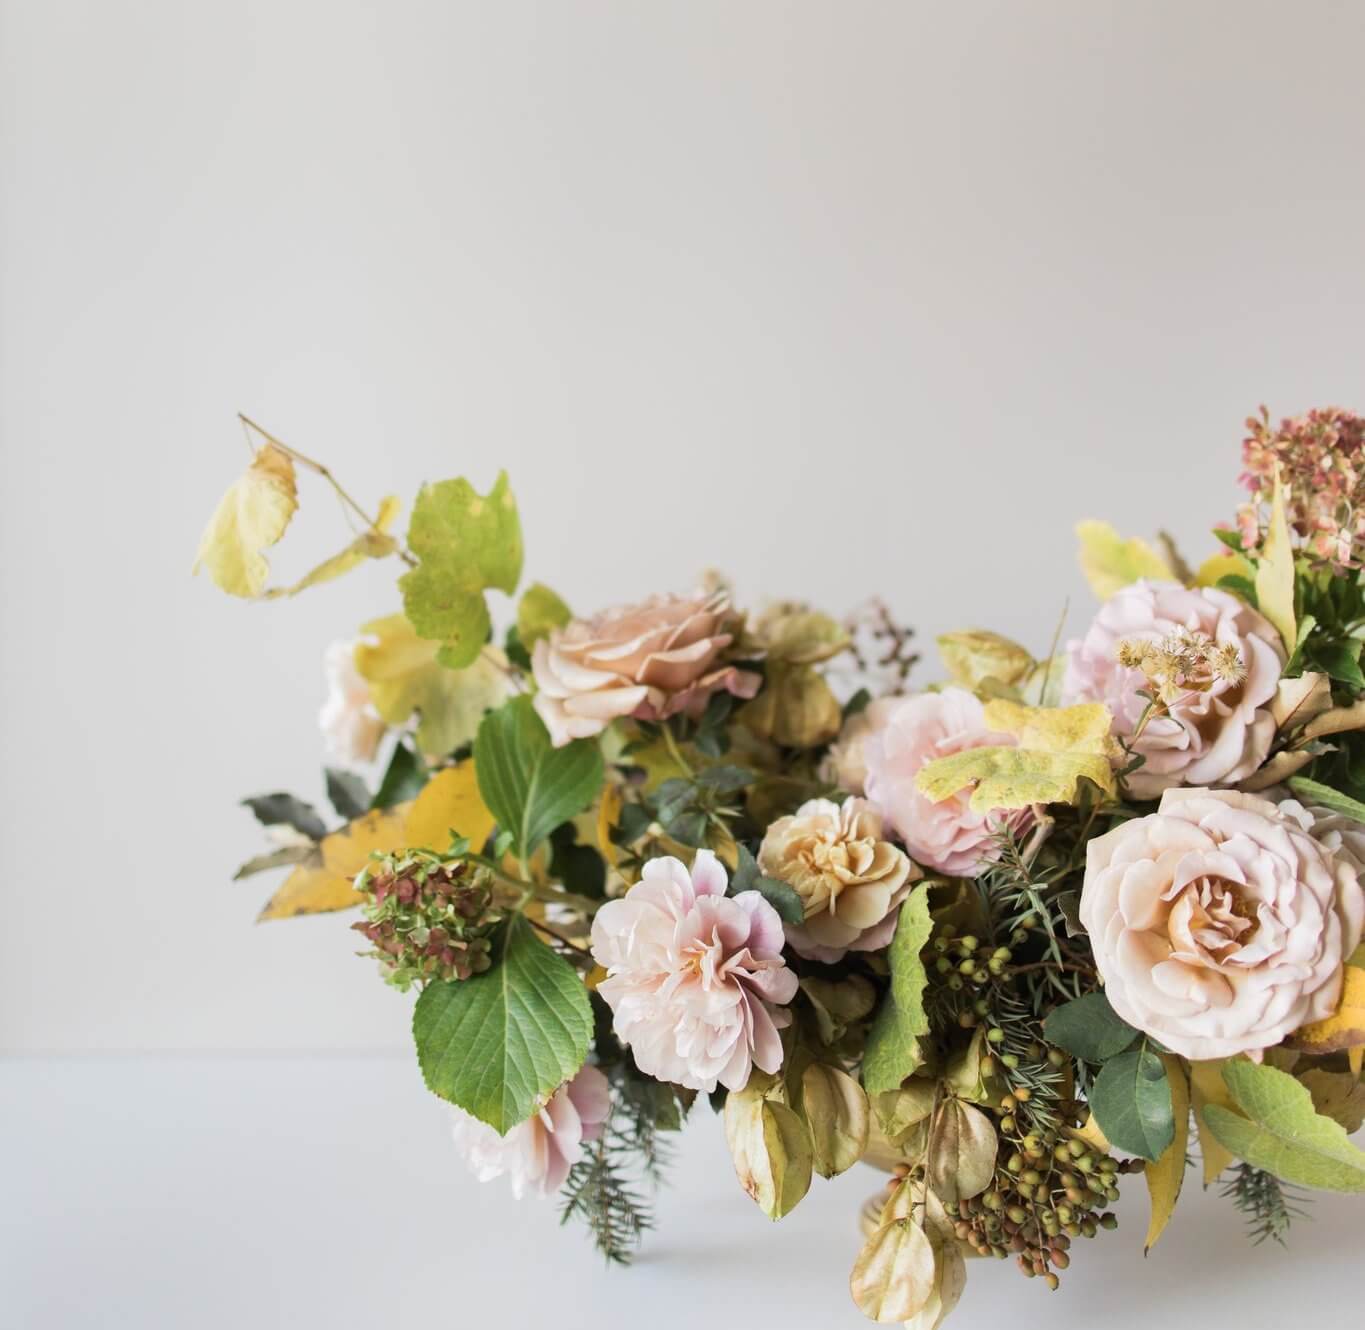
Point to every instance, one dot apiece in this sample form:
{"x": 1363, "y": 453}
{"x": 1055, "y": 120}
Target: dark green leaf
{"x": 1342, "y": 661}
{"x": 284, "y": 810}
{"x": 1090, "y": 1028}
{"x": 631, "y": 824}
{"x": 1241, "y": 587}
{"x": 783, "y": 898}
{"x": 688, "y": 828}
{"x": 347, "y": 794}
{"x": 1131, "y": 1100}
{"x": 403, "y": 778}
{"x": 1232, "y": 539}
{"x": 726, "y": 780}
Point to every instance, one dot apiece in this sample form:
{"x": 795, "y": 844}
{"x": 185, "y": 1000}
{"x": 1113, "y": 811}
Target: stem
{"x": 558, "y": 937}
{"x": 675, "y": 752}
{"x": 319, "y": 469}
{"x": 526, "y": 888}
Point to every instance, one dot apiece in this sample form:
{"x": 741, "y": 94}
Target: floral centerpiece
{"x": 1057, "y": 918}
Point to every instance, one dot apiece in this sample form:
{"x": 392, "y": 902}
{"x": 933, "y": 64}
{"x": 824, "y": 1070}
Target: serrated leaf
{"x": 1345, "y": 1027}
{"x": 1131, "y": 1100}
{"x": 406, "y": 678}
{"x": 285, "y": 810}
{"x": 893, "y": 1276}
{"x": 466, "y": 543}
{"x": 961, "y": 1152}
{"x": 1275, "y": 572}
{"x": 1090, "y": 1028}
{"x": 372, "y": 543}
{"x": 539, "y": 613}
{"x": 836, "y": 1111}
{"x": 1058, "y": 748}
{"x": 499, "y": 1044}
{"x": 1207, "y": 1087}
{"x": 1165, "y": 1175}
{"x": 770, "y": 1146}
{"x": 975, "y": 655}
{"x": 250, "y": 517}
{"x": 1280, "y": 1131}
{"x": 893, "y": 1049}
{"x": 1111, "y": 563}
{"x": 529, "y": 785}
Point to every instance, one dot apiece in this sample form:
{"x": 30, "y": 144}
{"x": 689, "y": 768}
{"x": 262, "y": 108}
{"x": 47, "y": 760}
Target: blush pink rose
{"x": 846, "y": 762}
{"x": 1219, "y": 924}
{"x": 657, "y": 659}
{"x": 539, "y": 1152}
{"x": 1214, "y": 737}
{"x": 695, "y": 979}
{"x": 947, "y": 835}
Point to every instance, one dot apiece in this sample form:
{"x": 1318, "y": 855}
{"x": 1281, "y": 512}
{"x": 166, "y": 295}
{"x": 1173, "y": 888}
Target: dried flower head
{"x": 1321, "y": 461}
{"x": 1181, "y": 663}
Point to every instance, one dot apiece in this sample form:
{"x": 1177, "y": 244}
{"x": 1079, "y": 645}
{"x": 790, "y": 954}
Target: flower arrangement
{"x": 1053, "y": 920}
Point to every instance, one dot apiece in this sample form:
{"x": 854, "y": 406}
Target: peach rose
{"x": 1219, "y": 925}
{"x": 846, "y": 762}
{"x": 850, "y": 880}
{"x": 652, "y": 660}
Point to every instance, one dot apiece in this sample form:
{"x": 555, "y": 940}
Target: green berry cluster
{"x": 427, "y": 916}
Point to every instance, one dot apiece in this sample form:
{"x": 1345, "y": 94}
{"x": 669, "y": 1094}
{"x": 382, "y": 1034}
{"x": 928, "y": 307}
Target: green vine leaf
{"x": 498, "y": 1044}
{"x": 893, "y": 1049}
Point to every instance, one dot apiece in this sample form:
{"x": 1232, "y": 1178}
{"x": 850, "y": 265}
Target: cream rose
{"x": 350, "y": 725}
{"x": 1219, "y": 924}
{"x": 850, "y": 880}
{"x": 652, "y": 660}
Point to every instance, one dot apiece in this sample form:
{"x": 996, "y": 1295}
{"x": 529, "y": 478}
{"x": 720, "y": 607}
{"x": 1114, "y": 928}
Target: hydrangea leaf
{"x": 1345, "y": 1027}
{"x": 374, "y": 543}
{"x": 465, "y": 543}
{"x": 1111, "y": 563}
{"x": 975, "y": 655}
{"x": 1278, "y": 1129}
{"x": 499, "y": 1044}
{"x": 539, "y": 613}
{"x": 1058, "y": 748}
{"x": 250, "y": 517}
{"x": 1275, "y": 571}
{"x": 406, "y": 677}
{"x": 1166, "y": 1174}
{"x": 893, "y": 1048}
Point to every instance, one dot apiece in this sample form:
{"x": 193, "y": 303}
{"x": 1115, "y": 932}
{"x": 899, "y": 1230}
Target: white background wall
{"x": 847, "y": 298}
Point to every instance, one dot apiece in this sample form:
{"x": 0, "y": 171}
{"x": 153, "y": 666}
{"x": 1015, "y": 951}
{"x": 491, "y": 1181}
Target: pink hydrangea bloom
{"x": 696, "y": 979}
{"x": 539, "y": 1152}
{"x": 947, "y": 835}
{"x": 1216, "y": 735}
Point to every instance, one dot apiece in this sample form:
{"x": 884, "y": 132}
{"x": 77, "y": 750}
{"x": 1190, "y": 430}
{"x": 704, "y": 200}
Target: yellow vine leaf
{"x": 375, "y": 543}
{"x": 1057, "y": 748}
{"x": 250, "y": 517}
{"x": 1165, "y": 1174}
{"x": 1345, "y": 1027}
{"x": 1208, "y": 1087}
{"x": 405, "y": 677}
{"x": 1275, "y": 571}
{"x": 975, "y": 655}
{"x": 1111, "y": 563}
{"x": 323, "y": 882}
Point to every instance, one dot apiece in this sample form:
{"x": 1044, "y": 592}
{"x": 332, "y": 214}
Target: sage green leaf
{"x": 1282, "y": 1132}
{"x": 539, "y": 613}
{"x": 1131, "y": 1101}
{"x": 836, "y": 1111}
{"x": 285, "y": 810}
{"x": 499, "y": 1044}
{"x": 1312, "y": 792}
{"x": 465, "y": 543}
{"x": 529, "y": 785}
{"x": 1090, "y": 1028}
{"x": 893, "y": 1049}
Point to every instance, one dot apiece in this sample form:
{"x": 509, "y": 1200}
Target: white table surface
{"x": 246, "y": 1193}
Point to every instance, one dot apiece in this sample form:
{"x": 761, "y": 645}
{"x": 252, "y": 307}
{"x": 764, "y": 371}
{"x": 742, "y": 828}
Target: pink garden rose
{"x": 695, "y": 979}
{"x": 1219, "y": 924}
{"x": 539, "y": 1152}
{"x": 651, "y": 661}
{"x": 947, "y": 835}
{"x": 1216, "y": 735}
{"x": 351, "y": 727}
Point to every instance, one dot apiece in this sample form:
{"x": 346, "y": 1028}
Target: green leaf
{"x": 404, "y": 778}
{"x": 499, "y": 1044}
{"x": 276, "y": 810}
{"x": 783, "y": 898}
{"x": 893, "y": 1050}
{"x": 1313, "y": 792}
{"x": 1342, "y": 662}
{"x": 529, "y": 785}
{"x": 539, "y": 612}
{"x": 1090, "y": 1028}
{"x": 347, "y": 794}
{"x": 1131, "y": 1100}
{"x": 1282, "y": 1132}
{"x": 465, "y": 543}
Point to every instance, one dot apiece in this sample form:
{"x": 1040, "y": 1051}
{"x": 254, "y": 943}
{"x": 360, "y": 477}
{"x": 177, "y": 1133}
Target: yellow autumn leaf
{"x": 1208, "y": 1087}
{"x": 251, "y": 517}
{"x": 1275, "y": 571}
{"x": 1057, "y": 748}
{"x": 1218, "y": 566}
{"x": 975, "y": 655}
{"x": 405, "y": 677}
{"x": 1345, "y": 1027}
{"x": 1165, "y": 1174}
{"x": 1091, "y": 1134}
{"x": 1111, "y": 563}
{"x": 449, "y": 802}
{"x": 374, "y": 543}
{"x": 608, "y": 810}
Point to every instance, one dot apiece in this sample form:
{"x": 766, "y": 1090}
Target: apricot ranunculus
{"x": 1219, "y": 924}
{"x": 653, "y": 660}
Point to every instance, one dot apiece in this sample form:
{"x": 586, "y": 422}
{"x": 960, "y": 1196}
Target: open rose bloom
{"x": 657, "y": 659}
{"x": 1219, "y": 924}
{"x": 696, "y": 979}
